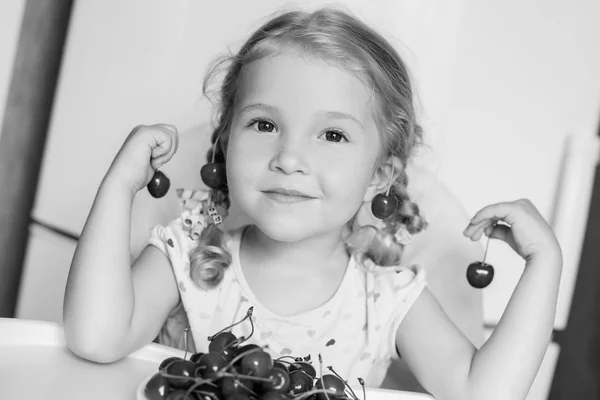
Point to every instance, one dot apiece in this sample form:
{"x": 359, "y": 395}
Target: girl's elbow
{"x": 90, "y": 347}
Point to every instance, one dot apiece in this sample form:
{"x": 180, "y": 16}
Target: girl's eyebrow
{"x": 341, "y": 115}
{"x": 258, "y": 106}
{"x": 328, "y": 114}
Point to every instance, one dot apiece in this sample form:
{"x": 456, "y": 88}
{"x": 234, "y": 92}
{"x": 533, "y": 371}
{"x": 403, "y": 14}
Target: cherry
{"x": 208, "y": 365}
{"x": 480, "y": 274}
{"x": 244, "y": 349}
{"x": 279, "y": 381}
{"x": 258, "y": 363}
{"x": 280, "y": 365}
{"x": 331, "y": 383}
{"x": 300, "y": 382}
{"x": 230, "y": 386}
{"x": 214, "y": 175}
{"x": 383, "y": 206}
{"x": 168, "y": 361}
{"x": 159, "y": 185}
{"x": 304, "y": 366}
{"x": 224, "y": 343}
{"x": 157, "y": 387}
{"x": 195, "y": 357}
{"x": 184, "y": 369}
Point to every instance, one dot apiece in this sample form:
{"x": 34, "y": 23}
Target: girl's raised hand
{"x": 145, "y": 150}
{"x": 522, "y": 227}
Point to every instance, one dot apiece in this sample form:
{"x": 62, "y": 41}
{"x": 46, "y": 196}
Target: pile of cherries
{"x": 234, "y": 371}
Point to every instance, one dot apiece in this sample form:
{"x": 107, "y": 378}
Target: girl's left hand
{"x": 527, "y": 232}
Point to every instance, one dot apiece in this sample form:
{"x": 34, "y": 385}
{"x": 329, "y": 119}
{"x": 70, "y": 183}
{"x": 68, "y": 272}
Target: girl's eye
{"x": 263, "y": 125}
{"x": 335, "y": 136}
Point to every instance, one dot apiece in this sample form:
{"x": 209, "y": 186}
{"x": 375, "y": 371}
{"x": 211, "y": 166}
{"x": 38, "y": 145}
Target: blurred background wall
{"x": 509, "y": 97}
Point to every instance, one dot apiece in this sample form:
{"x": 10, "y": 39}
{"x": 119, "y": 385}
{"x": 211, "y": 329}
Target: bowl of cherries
{"x": 232, "y": 370}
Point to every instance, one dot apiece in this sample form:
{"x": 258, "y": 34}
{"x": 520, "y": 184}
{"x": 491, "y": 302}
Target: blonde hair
{"x": 337, "y": 37}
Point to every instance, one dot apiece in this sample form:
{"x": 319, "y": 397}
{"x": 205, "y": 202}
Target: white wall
{"x": 11, "y": 14}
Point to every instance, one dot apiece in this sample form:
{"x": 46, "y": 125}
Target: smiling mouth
{"x": 287, "y": 196}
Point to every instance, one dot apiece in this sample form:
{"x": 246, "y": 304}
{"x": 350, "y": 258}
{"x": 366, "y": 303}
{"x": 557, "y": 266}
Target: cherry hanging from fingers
{"x": 159, "y": 185}
{"x": 479, "y": 273}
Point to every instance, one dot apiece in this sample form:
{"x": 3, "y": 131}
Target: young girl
{"x": 315, "y": 129}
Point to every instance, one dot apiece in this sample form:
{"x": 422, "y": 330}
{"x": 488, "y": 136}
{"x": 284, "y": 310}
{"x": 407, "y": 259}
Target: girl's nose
{"x": 290, "y": 156}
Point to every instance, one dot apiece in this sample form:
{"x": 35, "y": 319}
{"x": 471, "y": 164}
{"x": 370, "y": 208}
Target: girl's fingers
{"x": 472, "y": 229}
{"x": 167, "y": 141}
{"x": 500, "y": 211}
{"x": 477, "y": 231}
{"x": 172, "y": 131}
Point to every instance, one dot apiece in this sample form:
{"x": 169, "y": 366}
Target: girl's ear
{"x": 380, "y": 181}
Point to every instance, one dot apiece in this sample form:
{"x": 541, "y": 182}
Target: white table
{"x": 36, "y": 364}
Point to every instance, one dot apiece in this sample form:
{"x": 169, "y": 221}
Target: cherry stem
{"x": 390, "y": 184}
{"x": 185, "y": 341}
{"x": 248, "y": 315}
{"x": 362, "y": 383}
{"x": 251, "y": 331}
{"x": 345, "y": 382}
{"x": 215, "y": 149}
{"x": 321, "y": 373}
{"x": 487, "y": 244}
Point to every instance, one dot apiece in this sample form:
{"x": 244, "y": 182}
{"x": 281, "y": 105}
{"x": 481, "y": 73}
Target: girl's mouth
{"x": 286, "y": 196}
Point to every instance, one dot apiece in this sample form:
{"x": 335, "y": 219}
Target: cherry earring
{"x": 480, "y": 274}
{"x": 159, "y": 185}
{"x": 214, "y": 174}
{"x": 384, "y": 205}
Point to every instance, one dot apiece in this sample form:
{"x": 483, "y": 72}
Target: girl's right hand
{"x": 145, "y": 150}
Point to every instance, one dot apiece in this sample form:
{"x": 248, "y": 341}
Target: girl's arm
{"x": 444, "y": 360}
{"x": 112, "y": 308}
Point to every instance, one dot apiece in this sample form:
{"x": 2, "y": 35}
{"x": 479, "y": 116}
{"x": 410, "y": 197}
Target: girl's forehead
{"x": 303, "y": 83}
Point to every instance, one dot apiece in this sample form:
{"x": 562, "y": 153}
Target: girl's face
{"x": 301, "y": 124}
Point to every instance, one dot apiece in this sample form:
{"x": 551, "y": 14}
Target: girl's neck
{"x": 307, "y": 256}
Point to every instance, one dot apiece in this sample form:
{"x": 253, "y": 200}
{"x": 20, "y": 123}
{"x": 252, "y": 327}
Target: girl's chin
{"x": 285, "y": 231}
